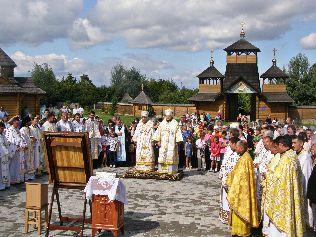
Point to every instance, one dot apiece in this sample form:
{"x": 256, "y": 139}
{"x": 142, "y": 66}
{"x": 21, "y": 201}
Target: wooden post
{"x": 18, "y": 104}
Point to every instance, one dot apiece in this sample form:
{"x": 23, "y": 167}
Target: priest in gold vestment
{"x": 242, "y": 194}
{"x": 143, "y": 137}
{"x": 168, "y": 135}
{"x": 284, "y": 204}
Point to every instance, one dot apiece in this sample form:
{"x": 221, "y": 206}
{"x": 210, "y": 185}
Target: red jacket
{"x": 215, "y": 149}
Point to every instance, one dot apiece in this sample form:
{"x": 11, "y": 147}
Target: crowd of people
{"x": 271, "y": 183}
{"x": 267, "y": 169}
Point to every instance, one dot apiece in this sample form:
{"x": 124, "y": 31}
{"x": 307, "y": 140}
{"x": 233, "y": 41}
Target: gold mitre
{"x": 169, "y": 112}
{"x": 144, "y": 113}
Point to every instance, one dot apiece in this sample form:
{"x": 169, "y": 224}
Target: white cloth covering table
{"x": 114, "y": 188}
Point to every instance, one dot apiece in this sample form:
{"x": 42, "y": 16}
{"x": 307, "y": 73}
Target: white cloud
{"x": 100, "y": 73}
{"x": 309, "y": 41}
{"x": 186, "y": 24}
{"x": 37, "y": 21}
{"x": 86, "y": 34}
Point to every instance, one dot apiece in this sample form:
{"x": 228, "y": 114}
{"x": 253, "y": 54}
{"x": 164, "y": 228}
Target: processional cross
{"x": 242, "y": 33}
{"x": 274, "y": 51}
{"x": 212, "y": 57}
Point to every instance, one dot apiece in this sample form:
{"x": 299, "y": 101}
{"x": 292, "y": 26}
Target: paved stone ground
{"x": 156, "y": 208}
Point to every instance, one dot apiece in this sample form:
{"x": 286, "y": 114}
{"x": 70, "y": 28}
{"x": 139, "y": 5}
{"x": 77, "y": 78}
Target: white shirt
{"x": 80, "y": 110}
{"x": 77, "y": 126}
{"x": 49, "y": 127}
{"x": 200, "y": 143}
{"x": 64, "y": 126}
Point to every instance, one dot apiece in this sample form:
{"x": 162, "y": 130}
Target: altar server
{"x": 16, "y": 149}
{"x": 92, "y": 127}
{"x": 28, "y": 140}
{"x": 4, "y": 159}
{"x": 121, "y": 135}
{"x": 306, "y": 164}
{"x": 38, "y": 144}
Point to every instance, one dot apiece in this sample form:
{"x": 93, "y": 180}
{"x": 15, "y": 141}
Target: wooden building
{"x": 219, "y": 93}
{"x": 141, "y": 102}
{"x": 17, "y": 94}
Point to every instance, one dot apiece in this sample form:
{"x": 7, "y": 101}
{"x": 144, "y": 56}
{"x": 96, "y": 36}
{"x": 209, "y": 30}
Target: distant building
{"x": 220, "y": 93}
{"x": 17, "y": 94}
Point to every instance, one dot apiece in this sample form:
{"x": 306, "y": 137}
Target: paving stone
{"x": 156, "y": 208}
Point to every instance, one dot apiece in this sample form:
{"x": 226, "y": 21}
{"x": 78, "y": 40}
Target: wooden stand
{"x": 107, "y": 215}
{"x": 35, "y": 219}
{"x": 76, "y": 228}
{"x": 70, "y": 167}
{"x": 36, "y": 202}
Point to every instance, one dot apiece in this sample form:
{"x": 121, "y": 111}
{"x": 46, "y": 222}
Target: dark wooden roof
{"x": 9, "y": 85}
{"x": 28, "y": 85}
{"x": 5, "y": 60}
{"x": 126, "y": 99}
{"x": 274, "y": 72}
{"x": 246, "y": 71}
{"x": 207, "y": 97}
{"x": 275, "y": 97}
{"x": 210, "y": 72}
{"x": 23, "y": 85}
{"x": 142, "y": 98}
{"x": 242, "y": 45}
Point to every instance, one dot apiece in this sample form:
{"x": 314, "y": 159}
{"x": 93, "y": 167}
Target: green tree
{"x": 301, "y": 85}
{"x": 87, "y": 91}
{"x": 126, "y": 80}
{"x": 244, "y": 103}
{"x": 68, "y": 89}
{"x": 44, "y": 77}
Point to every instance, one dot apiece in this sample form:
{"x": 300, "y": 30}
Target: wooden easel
{"x": 70, "y": 167}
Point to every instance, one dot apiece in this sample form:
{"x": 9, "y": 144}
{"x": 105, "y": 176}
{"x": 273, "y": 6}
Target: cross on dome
{"x": 242, "y": 33}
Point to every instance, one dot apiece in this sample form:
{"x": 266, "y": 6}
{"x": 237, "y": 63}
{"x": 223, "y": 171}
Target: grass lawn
{"x": 127, "y": 120}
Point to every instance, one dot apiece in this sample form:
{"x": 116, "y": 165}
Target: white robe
{"x": 168, "y": 134}
{"x": 262, "y": 159}
{"x": 92, "y": 127}
{"x": 4, "y": 163}
{"x": 38, "y": 147}
{"x": 26, "y": 134}
{"x": 306, "y": 165}
{"x": 229, "y": 161}
{"x": 143, "y": 136}
{"x": 17, "y": 161}
{"x": 121, "y": 151}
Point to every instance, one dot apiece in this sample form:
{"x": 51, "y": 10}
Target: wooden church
{"x": 220, "y": 93}
{"x": 17, "y": 94}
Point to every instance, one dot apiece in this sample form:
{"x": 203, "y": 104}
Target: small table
{"x": 108, "y": 198}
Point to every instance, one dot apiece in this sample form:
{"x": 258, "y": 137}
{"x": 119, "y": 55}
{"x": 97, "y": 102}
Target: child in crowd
{"x": 113, "y": 146}
{"x": 200, "y": 145}
{"x": 104, "y": 142}
{"x": 188, "y": 152}
{"x": 215, "y": 151}
{"x": 223, "y": 143}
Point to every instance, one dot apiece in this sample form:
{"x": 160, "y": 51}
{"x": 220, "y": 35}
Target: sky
{"x": 163, "y": 39}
